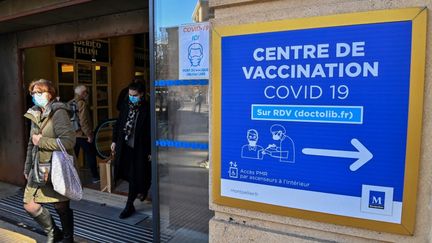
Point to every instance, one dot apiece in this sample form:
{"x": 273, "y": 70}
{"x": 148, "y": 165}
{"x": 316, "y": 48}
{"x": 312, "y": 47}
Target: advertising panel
{"x": 318, "y": 118}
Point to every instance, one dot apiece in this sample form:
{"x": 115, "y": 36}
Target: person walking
{"x": 198, "y": 99}
{"x": 132, "y": 146}
{"x": 84, "y": 130}
{"x": 49, "y": 121}
{"x": 123, "y": 95}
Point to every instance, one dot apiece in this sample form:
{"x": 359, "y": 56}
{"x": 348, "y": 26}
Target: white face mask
{"x": 276, "y": 136}
{"x": 40, "y": 100}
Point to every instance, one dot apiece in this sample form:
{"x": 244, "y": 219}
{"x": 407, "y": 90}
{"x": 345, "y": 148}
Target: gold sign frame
{"x": 418, "y": 16}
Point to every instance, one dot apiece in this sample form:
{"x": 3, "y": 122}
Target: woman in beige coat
{"x": 54, "y": 120}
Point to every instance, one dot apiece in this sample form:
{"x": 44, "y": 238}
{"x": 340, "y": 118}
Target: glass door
{"x": 103, "y": 93}
{"x": 85, "y": 76}
{"x": 182, "y": 122}
{"x": 66, "y": 77}
{"x": 95, "y": 77}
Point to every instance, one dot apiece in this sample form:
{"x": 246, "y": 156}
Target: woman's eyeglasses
{"x": 38, "y": 93}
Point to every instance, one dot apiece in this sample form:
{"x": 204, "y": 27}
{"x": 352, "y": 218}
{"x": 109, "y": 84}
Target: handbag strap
{"x": 63, "y": 149}
{"x": 60, "y": 144}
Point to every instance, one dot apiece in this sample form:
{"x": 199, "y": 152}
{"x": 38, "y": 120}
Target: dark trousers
{"x": 132, "y": 194}
{"x": 139, "y": 181}
{"x": 89, "y": 153}
{"x": 197, "y": 105}
{"x": 66, "y": 218}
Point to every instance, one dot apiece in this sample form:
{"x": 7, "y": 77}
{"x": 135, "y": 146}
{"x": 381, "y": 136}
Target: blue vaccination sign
{"x": 316, "y": 119}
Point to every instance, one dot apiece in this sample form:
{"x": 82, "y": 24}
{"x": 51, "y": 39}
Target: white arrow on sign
{"x": 363, "y": 155}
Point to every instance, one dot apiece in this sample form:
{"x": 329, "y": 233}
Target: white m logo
{"x": 376, "y": 200}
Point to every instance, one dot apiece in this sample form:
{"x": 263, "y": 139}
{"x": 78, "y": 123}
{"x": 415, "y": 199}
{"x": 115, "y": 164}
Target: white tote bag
{"x": 64, "y": 176}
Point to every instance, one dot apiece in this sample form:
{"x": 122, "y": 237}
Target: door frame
{"x": 153, "y": 125}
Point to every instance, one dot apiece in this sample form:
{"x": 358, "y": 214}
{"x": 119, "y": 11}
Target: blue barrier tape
{"x": 163, "y": 83}
{"x": 182, "y": 144}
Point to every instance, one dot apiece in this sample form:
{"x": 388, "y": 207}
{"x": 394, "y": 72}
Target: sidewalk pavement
{"x": 13, "y": 230}
{"x": 10, "y": 232}
{"x": 13, "y": 233}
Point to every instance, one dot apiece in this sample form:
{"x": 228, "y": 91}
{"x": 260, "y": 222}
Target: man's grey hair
{"x": 80, "y": 89}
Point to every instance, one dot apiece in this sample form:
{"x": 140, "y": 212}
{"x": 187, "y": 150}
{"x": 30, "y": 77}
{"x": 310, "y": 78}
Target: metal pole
{"x": 155, "y": 171}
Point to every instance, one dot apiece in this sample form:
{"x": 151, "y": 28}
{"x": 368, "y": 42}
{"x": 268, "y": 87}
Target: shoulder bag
{"x": 64, "y": 176}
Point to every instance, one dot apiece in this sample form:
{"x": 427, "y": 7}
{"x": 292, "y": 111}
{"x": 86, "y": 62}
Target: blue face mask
{"x": 39, "y": 100}
{"x": 134, "y": 99}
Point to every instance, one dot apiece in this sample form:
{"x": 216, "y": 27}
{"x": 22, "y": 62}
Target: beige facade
{"x": 237, "y": 225}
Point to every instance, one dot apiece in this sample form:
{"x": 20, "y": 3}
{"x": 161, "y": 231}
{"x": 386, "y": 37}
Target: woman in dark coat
{"x": 132, "y": 145}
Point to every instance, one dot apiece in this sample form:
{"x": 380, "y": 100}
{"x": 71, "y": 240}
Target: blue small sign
{"x": 376, "y": 199}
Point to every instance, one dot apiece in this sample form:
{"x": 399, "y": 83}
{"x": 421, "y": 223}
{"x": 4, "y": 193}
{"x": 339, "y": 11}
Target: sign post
{"x": 320, "y": 118}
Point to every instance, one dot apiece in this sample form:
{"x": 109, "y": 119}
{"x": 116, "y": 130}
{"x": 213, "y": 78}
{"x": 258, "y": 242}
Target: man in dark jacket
{"x": 132, "y": 145}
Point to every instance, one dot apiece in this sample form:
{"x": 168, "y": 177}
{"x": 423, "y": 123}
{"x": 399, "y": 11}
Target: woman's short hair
{"x": 42, "y": 85}
{"x": 137, "y": 86}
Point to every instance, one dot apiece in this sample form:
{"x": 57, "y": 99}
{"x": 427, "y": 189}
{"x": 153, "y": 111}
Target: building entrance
{"x": 104, "y": 67}
{"x": 34, "y": 44}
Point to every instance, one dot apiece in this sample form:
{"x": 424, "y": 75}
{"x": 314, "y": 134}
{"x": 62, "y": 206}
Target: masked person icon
{"x": 252, "y": 150}
{"x": 195, "y": 54}
{"x": 285, "y": 151}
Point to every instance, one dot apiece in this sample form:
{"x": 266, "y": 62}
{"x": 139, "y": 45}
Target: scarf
{"x": 130, "y": 121}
